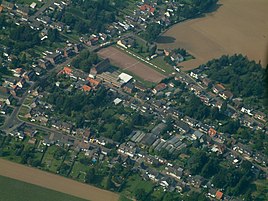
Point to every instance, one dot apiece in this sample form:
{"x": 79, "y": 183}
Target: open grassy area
{"x": 14, "y": 190}
{"x": 134, "y": 183}
{"x": 51, "y": 164}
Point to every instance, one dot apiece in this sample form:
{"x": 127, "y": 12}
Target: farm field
{"x": 54, "y": 182}
{"x": 126, "y": 62}
{"x": 238, "y": 26}
{"x": 14, "y": 190}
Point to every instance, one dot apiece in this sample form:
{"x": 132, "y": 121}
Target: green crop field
{"x": 14, "y": 190}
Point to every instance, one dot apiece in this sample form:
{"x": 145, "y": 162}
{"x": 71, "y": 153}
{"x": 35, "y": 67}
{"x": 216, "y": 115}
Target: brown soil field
{"x": 127, "y": 62}
{"x": 237, "y": 26}
{"x": 54, "y": 182}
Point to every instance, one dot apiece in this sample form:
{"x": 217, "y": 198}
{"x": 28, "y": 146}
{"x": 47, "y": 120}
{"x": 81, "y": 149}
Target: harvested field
{"x": 54, "y": 182}
{"x": 238, "y": 26}
{"x": 126, "y": 62}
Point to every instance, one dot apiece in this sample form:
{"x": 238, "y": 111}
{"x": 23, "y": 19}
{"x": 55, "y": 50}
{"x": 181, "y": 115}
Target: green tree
{"x": 152, "y": 32}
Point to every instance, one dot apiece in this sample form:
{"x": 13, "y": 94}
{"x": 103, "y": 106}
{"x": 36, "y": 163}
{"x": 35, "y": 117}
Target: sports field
{"x": 14, "y": 190}
{"x": 237, "y": 26}
{"x": 129, "y": 63}
{"x": 53, "y": 182}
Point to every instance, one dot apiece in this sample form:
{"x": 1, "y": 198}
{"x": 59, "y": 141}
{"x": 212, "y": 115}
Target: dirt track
{"x": 54, "y": 182}
{"x": 238, "y": 26}
{"x": 126, "y": 62}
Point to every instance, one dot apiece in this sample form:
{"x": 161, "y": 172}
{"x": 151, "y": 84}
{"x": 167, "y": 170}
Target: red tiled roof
{"x": 160, "y": 87}
{"x": 146, "y": 7}
{"x": 66, "y": 70}
{"x": 93, "y": 81}
{"x": 220, "y": 86}
{"x": 86, "y": 88}
{"x": 212, "y": 132}
{"x": 219, "y": 195}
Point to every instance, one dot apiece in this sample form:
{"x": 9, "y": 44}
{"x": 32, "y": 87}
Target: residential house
{"x": 86, "y": 88}
{"x": 129, "y": 88}
{"x": 126, "y": 42}
{"x": 29, "y": 76}
{"x": 23, "y": 10}
{"x": 86, "y": 135}
{"x": 196, "y": 181}
{"x": 93, "y": 82}
{"x": 174, "y": 172}
{"x": 219, "y": 195}
{"x": 39, "y": 71}
{"x": 218, "y": 88}
{"x": 190, "y": 121}
{"x": 4, "y": 90}
{"x": 77, "y": 47}
{"x": 260, "y": 115}
{"x": 176, "y": 57}
{"x": 55, "y": 58}
{"x": 66, "y": 127}
{"x": 44, "y": 63}
{"x": 17, "y": 72}
{"x": 66, "y": 71}
{"x": 21, "y": 82}
{"x": 8, "y": 5}
{"x": 226, "y": 95}
{"x": 3, "y": 107}
{"x": 194, "y": 74}
{"x": 206, "y": 81}
{"x": 147, "y": 8}
{"x": 68, "y": 52}
{"x": 159, "y": 87}
{"x": 57, "y": 25}
{"x": 94, "y": 40}
{"x": 196, "y": 89}
{"x": 212, "y": 132}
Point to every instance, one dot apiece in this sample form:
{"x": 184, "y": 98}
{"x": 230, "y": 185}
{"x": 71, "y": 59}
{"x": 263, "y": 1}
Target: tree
{"x": 197, "y": 161}
{"x": 140, "y": 194}
{"x": 152, "y": 32}
{"x": 53, "y": 35}
{"x": 210, "y": 168}
{"x": 59, "y": 153}
{"x": 90, "y": 176}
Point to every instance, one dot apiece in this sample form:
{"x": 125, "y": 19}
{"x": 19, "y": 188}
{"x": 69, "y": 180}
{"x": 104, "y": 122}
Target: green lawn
{"x": 14, "y": 190}
{"x": 50, "y": 163}
{"x": 79, "y": 170}
{"x": 134, "y": 183}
